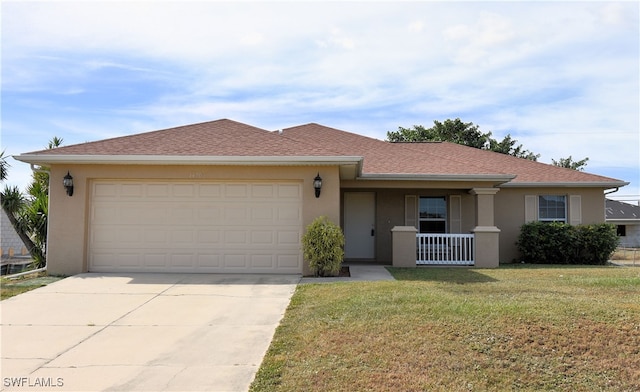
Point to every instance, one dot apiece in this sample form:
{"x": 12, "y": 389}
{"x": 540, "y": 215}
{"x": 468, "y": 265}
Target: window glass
{"x": 433, "y": 215}
{"x": 621, "y": 230}
{"x": 552, "y": 208}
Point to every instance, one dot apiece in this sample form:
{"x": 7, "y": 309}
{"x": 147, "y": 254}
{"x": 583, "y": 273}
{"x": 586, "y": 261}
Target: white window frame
{"x": 551, "y": 219}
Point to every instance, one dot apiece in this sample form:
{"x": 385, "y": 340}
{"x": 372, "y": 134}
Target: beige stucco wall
{"x": 510, "y": 213}
{"x": 68, "y": 216}
{"x": 67, "y": 252}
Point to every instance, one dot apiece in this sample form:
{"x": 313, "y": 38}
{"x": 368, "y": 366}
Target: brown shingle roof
{"x": 526, "y": 171}
{"x": 213, "y": 138}
{"x": 226, "y": 138}
{"x": 383, "y": 157}
{"x": 438, "y": 158}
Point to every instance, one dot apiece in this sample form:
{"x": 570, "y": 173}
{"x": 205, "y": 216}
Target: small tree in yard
{"x": 323, "y": 247}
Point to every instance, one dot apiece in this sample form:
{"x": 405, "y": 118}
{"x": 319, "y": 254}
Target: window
{"x": 621, "y": 230}
{"x": 552, "y": 208}
{"x": 433, "y": 215}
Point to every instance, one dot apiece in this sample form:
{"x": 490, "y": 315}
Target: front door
{"x": 359, "y": 225}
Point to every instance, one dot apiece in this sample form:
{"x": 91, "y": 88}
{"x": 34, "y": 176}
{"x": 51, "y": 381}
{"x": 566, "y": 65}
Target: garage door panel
{"x": 262, "y": 261}
{"x": 104, "y": 237}
{"x": 131, "y": 191}
{"x": 182, "y": 237}
{"x": 235, "y": 261}
{"x": 195, "y": 227}
{"x": 289, "y": 216}
{"x": 262, "y": 215}
{"x": 262, "y": 237}
{"x": 129, "y": 260}
{"x": 236, "y": 214}
{"x": 288, "y": 261}
{"x": 210, "y": 190}
{"x": 157, "y": 260}
{"x": 262, "y": 191}
{"x": 181, "y": 261}
{"x": 209, "y": 237}
{"x": 289, "y": 191}
{"x": 155, "y": 236}
{"x": 157, "y": 190}
{"x": 130, "y": 236}
{"x": 208, "y": 260}
{"x": 290, "y": 237}
{"x": 108, "y": 191}
{"x": 183, "y": 190}
{"x": 209, "y": 215}
{"x": 138, "y": 213}
{"x": 182, "y": 215}
{"x": 105, "y": 213}
{"x": 236, "y": 190}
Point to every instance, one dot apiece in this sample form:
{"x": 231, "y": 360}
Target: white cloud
{"x": 416, "y": 26}
{"x": 548, "y": 72}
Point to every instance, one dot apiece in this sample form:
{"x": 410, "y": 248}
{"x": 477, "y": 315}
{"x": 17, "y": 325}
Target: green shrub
{"x": 598, "y": 242}
{"x": 322, "y": 247}
{"x": 561, "y": 243}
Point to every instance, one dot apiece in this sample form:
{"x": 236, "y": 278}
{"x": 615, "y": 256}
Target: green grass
{"x": 13, "y": 287}
{"x": 525, "y": 328}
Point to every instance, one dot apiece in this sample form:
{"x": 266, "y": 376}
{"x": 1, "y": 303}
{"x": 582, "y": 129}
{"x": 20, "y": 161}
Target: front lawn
{"x": 519, "y": 328}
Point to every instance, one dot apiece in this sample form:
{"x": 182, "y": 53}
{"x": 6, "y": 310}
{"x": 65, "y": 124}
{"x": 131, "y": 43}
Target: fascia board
{"x": 596, "y": 184}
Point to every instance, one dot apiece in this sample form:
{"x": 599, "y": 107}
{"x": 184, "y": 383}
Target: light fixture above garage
{"x": 317, "y": 184}
{"x": 67, "y": 181}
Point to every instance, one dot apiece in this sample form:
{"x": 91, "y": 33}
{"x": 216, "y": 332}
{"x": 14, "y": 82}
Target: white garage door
{"x": 231, "y": 227}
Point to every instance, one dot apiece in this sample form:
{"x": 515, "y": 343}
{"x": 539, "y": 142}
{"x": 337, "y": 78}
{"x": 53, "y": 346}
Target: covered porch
{"x": 479, "y": 248}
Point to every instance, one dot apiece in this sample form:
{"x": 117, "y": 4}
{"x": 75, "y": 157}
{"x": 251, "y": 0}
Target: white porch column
{"x": 487, "y": 235}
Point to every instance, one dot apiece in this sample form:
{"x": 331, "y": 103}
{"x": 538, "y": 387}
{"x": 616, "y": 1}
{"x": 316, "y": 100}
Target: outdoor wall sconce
{"x": 317, "y": 184}
{"x": 67, "y": 181}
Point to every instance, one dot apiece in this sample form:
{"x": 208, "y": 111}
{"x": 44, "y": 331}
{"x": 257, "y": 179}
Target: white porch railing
{"x": 445, "y": 249}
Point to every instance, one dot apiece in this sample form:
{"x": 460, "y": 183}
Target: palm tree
{"x": 13, "y": 203}
{"x": 28, "y": 215}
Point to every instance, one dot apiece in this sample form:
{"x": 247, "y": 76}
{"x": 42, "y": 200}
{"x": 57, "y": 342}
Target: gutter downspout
{"x": 25, "y": 273}
{"x": 616, "y": 189}
{"x": 613, "y": 191}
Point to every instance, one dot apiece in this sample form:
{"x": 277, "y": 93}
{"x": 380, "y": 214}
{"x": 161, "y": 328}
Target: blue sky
{"x": 561, "y": 77}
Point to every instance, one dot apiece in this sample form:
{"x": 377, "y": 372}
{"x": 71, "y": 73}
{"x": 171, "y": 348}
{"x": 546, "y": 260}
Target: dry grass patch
{"x": 521, "y": 328}
{"x": 626, "y": 256}
{"x": 12, "y": 287}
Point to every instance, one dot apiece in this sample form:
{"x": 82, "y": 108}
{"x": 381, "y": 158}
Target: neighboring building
{"x": 223, "y": 196}
{"x": 627, "y": 218}
{"x": 11, "y": 243}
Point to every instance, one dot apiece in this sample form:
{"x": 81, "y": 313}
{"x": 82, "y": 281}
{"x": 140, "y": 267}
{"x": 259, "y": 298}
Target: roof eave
{"x": 48, "y": 159}
{"x": 585, "y": 184}
{"x": 495, "y": 178}
{"x": 622, "y": 221}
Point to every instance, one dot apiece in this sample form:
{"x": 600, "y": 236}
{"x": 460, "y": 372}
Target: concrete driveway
{"x": 142, "y": 332}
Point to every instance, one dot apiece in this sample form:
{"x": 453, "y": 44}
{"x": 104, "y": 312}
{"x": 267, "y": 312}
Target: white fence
{"x": 445, "y": 249}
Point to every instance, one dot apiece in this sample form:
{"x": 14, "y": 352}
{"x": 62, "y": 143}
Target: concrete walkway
{"x": 147, "y": 332}
{"x": 359, "y": 273}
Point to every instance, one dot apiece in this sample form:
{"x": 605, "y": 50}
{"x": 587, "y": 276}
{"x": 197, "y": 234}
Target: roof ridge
{"x": 149, "y": 133}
